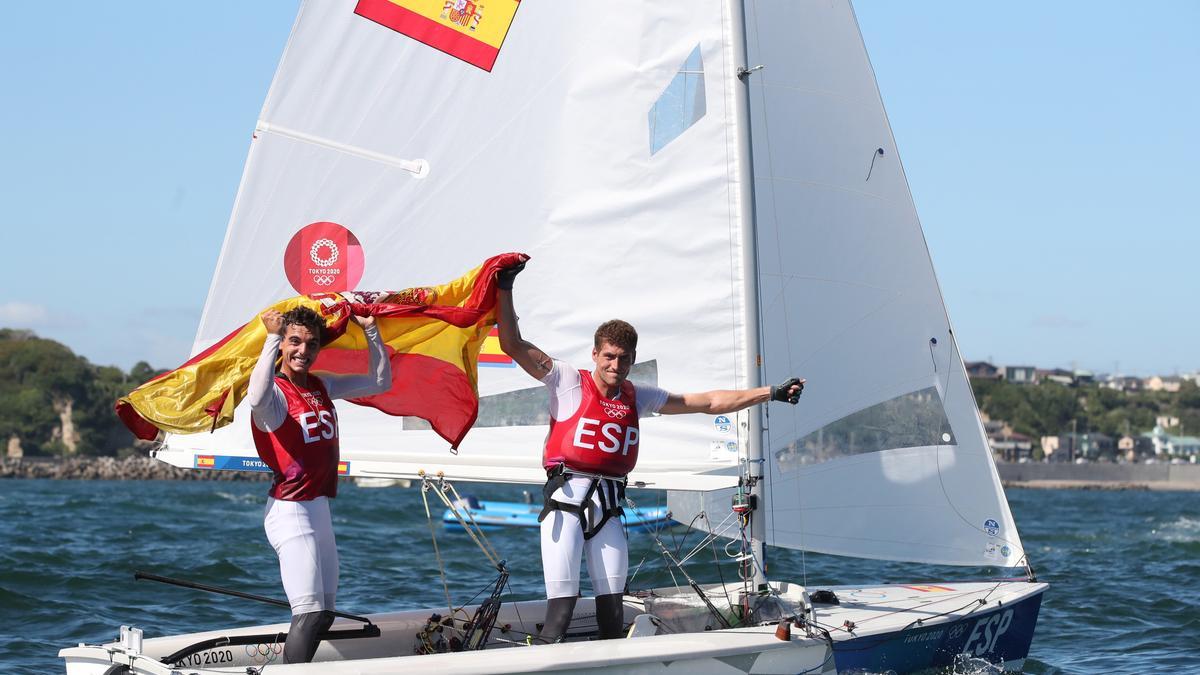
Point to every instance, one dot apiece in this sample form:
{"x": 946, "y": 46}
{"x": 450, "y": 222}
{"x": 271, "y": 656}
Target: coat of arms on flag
{"x": 471, "y": 30}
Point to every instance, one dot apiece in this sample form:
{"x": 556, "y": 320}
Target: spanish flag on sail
{"x": 471, "y": 30}
{"x": 433, "y": 337}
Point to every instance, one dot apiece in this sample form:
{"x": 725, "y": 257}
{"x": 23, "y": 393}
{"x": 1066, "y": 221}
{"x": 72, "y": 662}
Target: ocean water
{"x": 1123, "y": 567}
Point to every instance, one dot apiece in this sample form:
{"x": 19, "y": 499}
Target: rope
{"x": 673, "y": 562}
{"x": 475, "y": 531}
{"x": 438, "y": 486}
{"x": 710, "y": 537}
{"x": 436, "y": 552}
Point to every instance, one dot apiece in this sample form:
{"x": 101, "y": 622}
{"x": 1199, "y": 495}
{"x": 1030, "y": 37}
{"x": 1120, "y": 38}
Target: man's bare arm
{"x": 531, "y": 359}
{"x": 727, "y": 401}
{"x": 714, "y": 402}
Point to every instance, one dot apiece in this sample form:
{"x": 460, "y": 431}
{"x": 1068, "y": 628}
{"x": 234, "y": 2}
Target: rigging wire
{"x": 425, "y": 487}
{"x": 475, "y": 629}
{"x": 654, "y": 530}
{"x": 674, "y": 562}
{"x": 439, "y": 487}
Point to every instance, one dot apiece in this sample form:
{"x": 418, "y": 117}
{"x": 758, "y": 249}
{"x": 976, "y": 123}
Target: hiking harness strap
{"x": 611, "y": 491}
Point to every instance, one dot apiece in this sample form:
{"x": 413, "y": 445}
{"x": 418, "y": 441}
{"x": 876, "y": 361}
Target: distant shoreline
{"x": 1026, "y": 476}
{"x": 136, "y": 467}
{"x": 1146, "y": 486}
{"x": 1097, "y": 476}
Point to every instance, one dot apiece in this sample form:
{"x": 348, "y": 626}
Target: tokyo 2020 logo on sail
{"x": 323, "y": 258}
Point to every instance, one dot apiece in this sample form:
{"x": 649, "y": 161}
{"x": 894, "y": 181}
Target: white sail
{"x": 885, "y": 456}
{"x": 600, "y": 143}
{"x": 630, "y": 205}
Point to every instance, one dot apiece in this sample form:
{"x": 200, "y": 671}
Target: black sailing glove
{"x": 781, "y": 392}
{"x": 506, "y": 276}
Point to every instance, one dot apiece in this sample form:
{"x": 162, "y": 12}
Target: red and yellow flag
{"x": 433, "y": 338}
{"x": 491, "y": 355}
{"x": 471, "y": 30}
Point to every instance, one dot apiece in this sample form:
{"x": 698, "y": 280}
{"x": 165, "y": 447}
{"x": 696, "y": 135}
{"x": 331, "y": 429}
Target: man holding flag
{"x": 295, "y": 430}
{"x": 428, "y": 333}
{"x": 591, "y": 447}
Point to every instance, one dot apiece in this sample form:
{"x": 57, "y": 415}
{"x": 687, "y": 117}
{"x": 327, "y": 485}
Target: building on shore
{"x": 1021, "y": 374}
{"x": 1134, "y": 448}
{"x": 1170, "y": 445}
{"x": 1170, "y": 384}
{"x": 981, "y": 370}
{"x": 1123, "y": 383}
{"x": 1071, "y": 446}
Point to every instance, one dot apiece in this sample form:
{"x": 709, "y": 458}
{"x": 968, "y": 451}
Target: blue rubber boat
{"x": 492, "y": 515}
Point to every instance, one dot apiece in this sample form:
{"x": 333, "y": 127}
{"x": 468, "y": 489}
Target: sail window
{"x": 680, "y": 105}
{"x": 913, "y": 420}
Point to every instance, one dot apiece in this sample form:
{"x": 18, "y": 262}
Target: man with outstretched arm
{"x": 296, "y": 433}
{"x": 591, "y": 447}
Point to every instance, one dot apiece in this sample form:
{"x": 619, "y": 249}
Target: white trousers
{"x": 563, "y": 546}
{"x": 302, "y": 535}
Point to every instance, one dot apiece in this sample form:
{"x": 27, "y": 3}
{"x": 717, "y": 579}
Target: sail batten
{"x": 415, "y": 166}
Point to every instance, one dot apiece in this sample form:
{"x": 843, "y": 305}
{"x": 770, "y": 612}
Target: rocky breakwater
{"x": 111, "y": 468}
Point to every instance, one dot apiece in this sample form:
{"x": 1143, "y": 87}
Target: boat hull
{"x": 1000, "y": 634}
{"x": 893, "y": 628}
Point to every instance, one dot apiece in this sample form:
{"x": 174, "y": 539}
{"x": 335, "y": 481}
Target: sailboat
{"x": 496, "y": 514}
{"x": 720, "y": 173}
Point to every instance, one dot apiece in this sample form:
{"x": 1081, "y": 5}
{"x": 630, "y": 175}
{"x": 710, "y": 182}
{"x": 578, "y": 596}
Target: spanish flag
{"x": 471, "y": 30}
{"x": 433, "y": 337}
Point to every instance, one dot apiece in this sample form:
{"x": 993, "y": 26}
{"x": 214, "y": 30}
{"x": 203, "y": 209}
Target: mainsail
{"x": 600, "y": 143}
{"x": 605, "y": 141}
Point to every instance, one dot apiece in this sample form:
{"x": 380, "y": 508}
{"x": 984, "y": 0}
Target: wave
{"x": 1183, "y": 530}
{"x": 243, "y": 498}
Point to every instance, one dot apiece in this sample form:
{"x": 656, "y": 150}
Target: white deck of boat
{"x": 871, "y": 610}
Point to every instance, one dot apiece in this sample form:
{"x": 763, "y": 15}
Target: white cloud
{"x": 22, "y": 315}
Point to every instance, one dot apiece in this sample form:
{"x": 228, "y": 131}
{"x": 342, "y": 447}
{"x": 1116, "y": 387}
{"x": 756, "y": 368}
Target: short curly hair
{"x": 303, "y": 316}
{"x": 617, "y": 333}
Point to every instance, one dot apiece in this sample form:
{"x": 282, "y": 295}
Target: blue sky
{"x": 1048, "y": 147}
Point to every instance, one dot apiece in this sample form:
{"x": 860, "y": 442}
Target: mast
{"x": 744, "y": 172}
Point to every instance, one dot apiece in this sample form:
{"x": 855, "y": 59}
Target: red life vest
{"x": 601, "y": 437}
{"x": 303, "y": 451}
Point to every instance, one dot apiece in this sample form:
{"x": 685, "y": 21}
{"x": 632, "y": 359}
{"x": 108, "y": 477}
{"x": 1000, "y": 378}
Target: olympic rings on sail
{"x": 315, "y": 253}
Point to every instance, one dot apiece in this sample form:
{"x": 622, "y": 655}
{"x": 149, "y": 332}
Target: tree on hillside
{"x": 1055, "y": 407}
{"x": 41, "y": 379}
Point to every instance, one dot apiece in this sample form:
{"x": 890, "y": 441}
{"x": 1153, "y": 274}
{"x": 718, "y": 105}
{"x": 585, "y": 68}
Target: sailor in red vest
{"x": 591, "y": 447}
{"x": 295, "y": 430}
